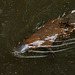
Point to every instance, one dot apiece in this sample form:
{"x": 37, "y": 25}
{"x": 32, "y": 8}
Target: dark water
{"x": 18, "y": 19}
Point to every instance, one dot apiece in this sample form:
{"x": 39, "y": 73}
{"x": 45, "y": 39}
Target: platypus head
{"x": 47, "y": 35}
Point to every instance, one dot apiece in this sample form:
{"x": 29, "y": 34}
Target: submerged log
{"x": 48, "y": 34}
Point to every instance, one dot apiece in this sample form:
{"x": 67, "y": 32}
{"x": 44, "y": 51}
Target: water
{"x": 20, "y": 18}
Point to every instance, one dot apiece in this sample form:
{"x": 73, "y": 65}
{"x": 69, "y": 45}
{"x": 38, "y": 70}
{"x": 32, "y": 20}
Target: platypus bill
{"x": 41, "y": 42}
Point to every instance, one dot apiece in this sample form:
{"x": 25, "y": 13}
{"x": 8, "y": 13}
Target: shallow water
{"x": 20, "y": 18}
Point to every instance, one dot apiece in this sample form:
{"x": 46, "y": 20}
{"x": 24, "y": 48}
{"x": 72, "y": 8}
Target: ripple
{"x": 44, "y": 51}
{"x": 51, "y": 51}
{"x": 1, "y": 11}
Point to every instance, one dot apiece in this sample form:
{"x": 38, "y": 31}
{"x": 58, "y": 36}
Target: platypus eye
{"x": 30, "y": 44}
{"x": 66, "y": 24}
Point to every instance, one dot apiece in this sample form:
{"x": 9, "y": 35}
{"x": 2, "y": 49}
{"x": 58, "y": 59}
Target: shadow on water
{"x": 18, "y": 19}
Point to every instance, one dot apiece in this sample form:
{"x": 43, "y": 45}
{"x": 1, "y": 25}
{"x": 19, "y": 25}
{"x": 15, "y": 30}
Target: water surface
{"x": 20, "y": 18}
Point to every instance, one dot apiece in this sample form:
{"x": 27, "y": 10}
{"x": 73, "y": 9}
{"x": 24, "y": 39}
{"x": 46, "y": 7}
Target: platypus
{"x": 44, "y": 37}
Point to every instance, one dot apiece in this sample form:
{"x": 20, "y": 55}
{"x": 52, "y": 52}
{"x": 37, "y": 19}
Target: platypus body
{"x": 52, "y": 31}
